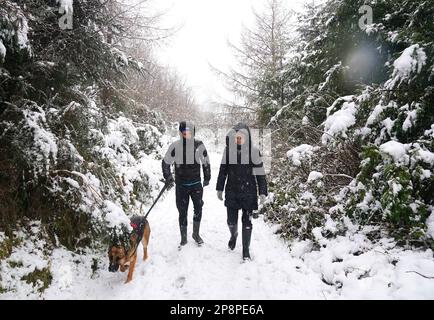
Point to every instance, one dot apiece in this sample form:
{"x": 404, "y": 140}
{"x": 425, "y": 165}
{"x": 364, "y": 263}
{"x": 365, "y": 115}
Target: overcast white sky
{"x": 207, "y": 25}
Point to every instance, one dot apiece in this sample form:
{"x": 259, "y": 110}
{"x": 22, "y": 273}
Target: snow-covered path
{"x": 208, "y": 272}
{"x": 346, "y": 267}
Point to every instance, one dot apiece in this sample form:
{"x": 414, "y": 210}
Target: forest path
{"x": 211, "y": 271}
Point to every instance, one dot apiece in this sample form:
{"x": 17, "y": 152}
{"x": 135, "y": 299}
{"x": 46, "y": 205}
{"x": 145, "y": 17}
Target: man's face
{"x": 186, "y": 134}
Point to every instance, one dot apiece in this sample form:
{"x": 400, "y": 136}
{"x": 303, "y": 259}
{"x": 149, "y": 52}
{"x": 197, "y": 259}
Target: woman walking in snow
{"x": 243, "y": 172}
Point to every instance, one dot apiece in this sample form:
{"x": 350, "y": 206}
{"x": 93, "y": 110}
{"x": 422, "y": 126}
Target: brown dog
{"x": 124, "y": 255}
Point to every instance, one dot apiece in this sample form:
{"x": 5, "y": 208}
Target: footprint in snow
{"x": 179, "y": 283}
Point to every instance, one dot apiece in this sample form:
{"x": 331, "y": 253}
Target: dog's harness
{"x": 138, "y": 224}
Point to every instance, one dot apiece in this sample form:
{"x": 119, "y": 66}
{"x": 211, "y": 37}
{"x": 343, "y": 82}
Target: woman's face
{"x": 240, "y": 138}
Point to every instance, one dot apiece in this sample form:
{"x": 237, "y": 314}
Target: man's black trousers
{"x": 183, "y": 195}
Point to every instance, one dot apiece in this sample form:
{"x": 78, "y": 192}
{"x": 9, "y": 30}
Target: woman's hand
{"x": 220, "y": 195}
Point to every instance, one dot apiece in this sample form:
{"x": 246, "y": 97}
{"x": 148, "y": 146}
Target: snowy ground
{"x": 347, "y": 267}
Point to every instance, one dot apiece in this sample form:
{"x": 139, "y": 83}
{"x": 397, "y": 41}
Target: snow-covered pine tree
{"x": 367, "y": 94}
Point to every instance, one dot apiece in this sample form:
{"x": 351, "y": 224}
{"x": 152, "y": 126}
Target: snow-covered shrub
{"x": 394, "y": 187}
{"x": 75, "y": 152}
{"x": 77, "y": 158}
{"x": 14, "y": 29}
{"x": 369, "y": 91}
{"x": 306, "y": 191}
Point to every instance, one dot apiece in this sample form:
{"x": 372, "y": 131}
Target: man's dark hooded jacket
{"x": 188, "y": 155}
{"x": 243, "y": 170}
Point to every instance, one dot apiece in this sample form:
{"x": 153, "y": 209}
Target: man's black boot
{"x": 183, "y": 230}
{"x": 196, "y": 236}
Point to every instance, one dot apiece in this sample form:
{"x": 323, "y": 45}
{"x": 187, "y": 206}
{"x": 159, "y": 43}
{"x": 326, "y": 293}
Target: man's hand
{"x": 205, "y": 183}
{"x": 262, "y": 198}
{"x": 169, "y": 182}
{"x": 220, "y": 195}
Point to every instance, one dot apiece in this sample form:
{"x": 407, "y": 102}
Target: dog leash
{"x": 156, "y": 200}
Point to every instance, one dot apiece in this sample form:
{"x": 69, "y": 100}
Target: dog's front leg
{"x": 131, "y": 269}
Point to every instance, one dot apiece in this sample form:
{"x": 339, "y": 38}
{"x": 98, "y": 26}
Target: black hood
{"x": 230, "y": 136}
{"x": 241, "y": 171}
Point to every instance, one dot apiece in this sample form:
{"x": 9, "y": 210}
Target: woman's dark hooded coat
{"x": 242, "y": 170}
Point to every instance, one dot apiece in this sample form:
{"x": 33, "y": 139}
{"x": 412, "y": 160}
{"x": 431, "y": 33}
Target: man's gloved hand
{"x": 262, "y": 198}
{"x": 169, "y": 182}
{"x": 205, "y": 183}
{"x": 220, "y": 195}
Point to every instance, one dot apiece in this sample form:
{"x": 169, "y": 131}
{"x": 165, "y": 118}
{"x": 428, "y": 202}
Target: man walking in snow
{"x": 188, "y": 154}
{"x": 243, "y": 169}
